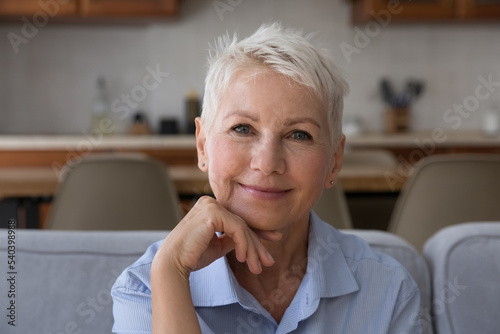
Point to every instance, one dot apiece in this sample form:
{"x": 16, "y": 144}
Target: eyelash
{"x": 236, "y": 127}
{"x": 308, "y": 136}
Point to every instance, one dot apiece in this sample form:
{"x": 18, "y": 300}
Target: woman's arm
{"x": 192, "y": 245}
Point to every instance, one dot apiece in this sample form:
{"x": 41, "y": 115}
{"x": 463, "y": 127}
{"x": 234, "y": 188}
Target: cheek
{"x": 226, "y": 161}
{"x": 310, "y": 170}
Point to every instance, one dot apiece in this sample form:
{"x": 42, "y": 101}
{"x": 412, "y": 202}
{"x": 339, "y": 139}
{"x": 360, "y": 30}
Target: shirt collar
{"x": 327, "y": 275}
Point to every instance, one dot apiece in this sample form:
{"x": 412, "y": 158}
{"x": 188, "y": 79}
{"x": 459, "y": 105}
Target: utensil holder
{"x": 397, "y": 120}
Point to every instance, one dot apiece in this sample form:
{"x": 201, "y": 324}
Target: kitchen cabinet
{"x": 387, "y": 11}
{"x": 60, "y": 9}
{"x": 477, "y": 9}
{"x": 18, "y": 8}
{"x": 128, "y": 8}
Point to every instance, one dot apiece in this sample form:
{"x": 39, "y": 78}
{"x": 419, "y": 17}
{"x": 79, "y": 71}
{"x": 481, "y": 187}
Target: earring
{"x": 331, "y": 182}
{"x": 202, "y": 165}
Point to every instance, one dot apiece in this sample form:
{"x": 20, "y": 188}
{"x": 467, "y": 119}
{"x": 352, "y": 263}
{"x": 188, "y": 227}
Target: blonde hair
{"x": 285, "y": 51}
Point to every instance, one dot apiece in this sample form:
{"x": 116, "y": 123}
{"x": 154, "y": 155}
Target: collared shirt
{"x": 347, "y": 288}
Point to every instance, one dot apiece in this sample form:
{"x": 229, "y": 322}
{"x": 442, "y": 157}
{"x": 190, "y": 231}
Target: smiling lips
{"x": 265, "y": 193}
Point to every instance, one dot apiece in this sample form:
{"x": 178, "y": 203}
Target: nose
{"x": 268, "y": 156}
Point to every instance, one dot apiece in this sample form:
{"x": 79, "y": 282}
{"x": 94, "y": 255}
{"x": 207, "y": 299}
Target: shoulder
{"x": 136, "y": 277}
{"x": 366, "y": 264}
{"x": 377, "y": 289}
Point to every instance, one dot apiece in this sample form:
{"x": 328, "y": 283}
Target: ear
{"x": 201, "y": 140}
{"x": 336, "y": 165}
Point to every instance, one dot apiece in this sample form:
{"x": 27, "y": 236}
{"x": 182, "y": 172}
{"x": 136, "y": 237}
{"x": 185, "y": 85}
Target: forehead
{"x": 260, "y": 90}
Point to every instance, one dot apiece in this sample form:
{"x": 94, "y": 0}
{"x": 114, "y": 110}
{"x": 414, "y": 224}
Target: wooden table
{"x": 189, "y": 180}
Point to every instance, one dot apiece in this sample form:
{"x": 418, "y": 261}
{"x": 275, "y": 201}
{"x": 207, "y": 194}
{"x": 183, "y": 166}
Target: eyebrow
{"x": 242, "y": 114}
{"x": 289, "y": 122}
{"x": 298, "y": 120}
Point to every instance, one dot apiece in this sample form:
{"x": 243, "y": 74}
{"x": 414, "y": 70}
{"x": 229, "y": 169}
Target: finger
{"x": 227, "y": 244}
{"x": 264, "y": 257}
{"x": 240, "y": 244}
{"x": 253, "y": 261}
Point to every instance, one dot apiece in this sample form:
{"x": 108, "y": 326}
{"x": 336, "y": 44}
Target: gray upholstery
{"x": 332, "y": 207}
{"x": 64, "y": 278}
{"x": 447, "y": 190}
{"x": 412, "y": 260}
{"x": 115, "y": 192}
{"x": 465, "y": 264}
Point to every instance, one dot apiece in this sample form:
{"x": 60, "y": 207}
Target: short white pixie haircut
{"x": 285, "y": 51}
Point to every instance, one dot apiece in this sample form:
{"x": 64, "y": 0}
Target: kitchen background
{"x": 47, "y": 86}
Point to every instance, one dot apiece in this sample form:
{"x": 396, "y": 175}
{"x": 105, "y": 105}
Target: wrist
{"x": 166, "y": 265}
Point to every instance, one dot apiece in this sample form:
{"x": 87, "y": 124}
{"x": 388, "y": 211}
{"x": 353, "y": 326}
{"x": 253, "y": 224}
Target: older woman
{"x": 256, "y": 259}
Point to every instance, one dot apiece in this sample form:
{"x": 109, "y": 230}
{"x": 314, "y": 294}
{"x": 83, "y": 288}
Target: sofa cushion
{"x": 465, "y": 264}
{"x": 62, "y": 280}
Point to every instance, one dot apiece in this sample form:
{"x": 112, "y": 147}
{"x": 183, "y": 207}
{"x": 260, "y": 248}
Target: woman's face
{"x": 268, "y": 152}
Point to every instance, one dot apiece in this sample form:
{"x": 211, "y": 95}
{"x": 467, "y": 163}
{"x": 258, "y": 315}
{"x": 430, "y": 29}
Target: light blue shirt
{"x": 348, "y": 288}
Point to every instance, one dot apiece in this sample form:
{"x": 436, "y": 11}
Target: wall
{"x": 48, "y": 85}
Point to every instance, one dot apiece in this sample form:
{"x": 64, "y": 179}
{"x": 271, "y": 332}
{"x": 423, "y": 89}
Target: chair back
{"x": 465, "y": 264}
{"x": 115, "y": 192}
{"x": 332, "y": 207}
{"x": 446, "y": 190}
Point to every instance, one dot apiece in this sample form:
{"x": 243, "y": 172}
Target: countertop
{"x": 84, "y": 143}
{"x": 438, "y": 137}
{"x": 374, "y": 139}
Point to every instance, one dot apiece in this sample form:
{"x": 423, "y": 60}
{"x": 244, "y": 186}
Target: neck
{"x": 276, "y": 286}
{"x": 288, "y": 253}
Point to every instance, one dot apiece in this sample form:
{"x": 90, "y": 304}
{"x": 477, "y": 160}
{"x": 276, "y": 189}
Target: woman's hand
{"x": 193, "y": 243}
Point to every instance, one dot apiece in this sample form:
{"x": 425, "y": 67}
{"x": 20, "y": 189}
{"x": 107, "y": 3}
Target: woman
{"x": 256, "y": 259}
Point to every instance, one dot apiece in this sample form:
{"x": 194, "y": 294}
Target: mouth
{"x": 264, "y": 192}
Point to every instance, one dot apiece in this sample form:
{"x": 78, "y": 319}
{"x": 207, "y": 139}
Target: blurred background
{"x": 48, "y": 75}
{"x": 101, "y": 76}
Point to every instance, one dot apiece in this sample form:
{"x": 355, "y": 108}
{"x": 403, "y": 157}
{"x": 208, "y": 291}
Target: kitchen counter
{"x": 437, "y": 137}
{"x": 46, "y": 155}
{"x": 371, "y": 139}
{"x": 85, "y": 143}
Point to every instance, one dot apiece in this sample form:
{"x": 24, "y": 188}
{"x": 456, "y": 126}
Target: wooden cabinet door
{"x": 32, "y": 7}
{"x": 128, "y": 8}
{"x": 387, "y": 11}
{"x": 478, "y": 9}
{"x": 419, "y": 9}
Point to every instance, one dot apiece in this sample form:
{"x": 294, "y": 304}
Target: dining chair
{"x": 370, "y": 210}
{"x": 444, "y": 190}
{"x": 125, "y": 191}
{"x": 332, "y": 207}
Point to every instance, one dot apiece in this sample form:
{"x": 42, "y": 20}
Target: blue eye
{"x": 301, "y": 135}
{"x": 241, "y": 129}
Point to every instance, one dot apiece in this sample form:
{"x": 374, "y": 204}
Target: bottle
{"x": 192, "y": 111}
{"x": 491, "y": 120}
{"x": 102, "y": 120}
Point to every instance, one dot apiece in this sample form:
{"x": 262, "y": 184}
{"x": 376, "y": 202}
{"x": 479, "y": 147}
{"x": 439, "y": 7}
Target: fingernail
{"x": 270, "y": 257}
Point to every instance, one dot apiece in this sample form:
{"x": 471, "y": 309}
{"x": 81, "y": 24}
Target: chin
{"x": 264, "y": 219}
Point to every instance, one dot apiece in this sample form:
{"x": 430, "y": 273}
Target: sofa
{"x": 60, "y": 281}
